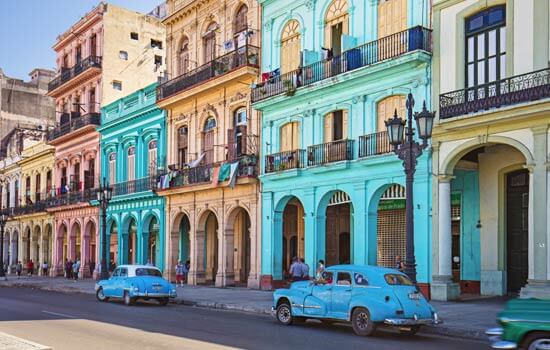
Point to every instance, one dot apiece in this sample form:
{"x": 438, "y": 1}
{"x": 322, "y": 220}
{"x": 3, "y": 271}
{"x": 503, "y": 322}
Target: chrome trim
{"x": 312, "y": 307}
{"x": 504, "y": 345}
{"x": 410, "y": 321}
{"x": 297, "y": 305}
{"x": 506, "y": 320}
{"x": 494, "y": 331}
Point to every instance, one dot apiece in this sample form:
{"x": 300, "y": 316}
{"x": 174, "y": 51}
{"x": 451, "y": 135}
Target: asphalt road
{"x": 77, "y": 321}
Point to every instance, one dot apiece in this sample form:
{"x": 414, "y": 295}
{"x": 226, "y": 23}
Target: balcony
{"x": 330, "y": 152}
{"x": 75, "y": 197}
{"x": 135, "y": 186}
{"x": 374, "y": 144}
{"x": 284, "y": 161}
{"x": 395, "y": 45}
{"x": 501, "y": 93}
{"x": 245, "y": 56}
{"x": 69, "y": 73}
{"x": 75, "y": 123}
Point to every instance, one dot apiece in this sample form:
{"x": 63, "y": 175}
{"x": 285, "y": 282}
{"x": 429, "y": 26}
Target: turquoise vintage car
{"x": 133, "y": 282}
{"x": 366, "y": 296}
{"x": 525, "y": 325}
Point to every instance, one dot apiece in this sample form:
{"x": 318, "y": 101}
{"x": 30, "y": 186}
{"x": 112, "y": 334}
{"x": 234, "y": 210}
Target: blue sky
{"x": 28, "y": 29}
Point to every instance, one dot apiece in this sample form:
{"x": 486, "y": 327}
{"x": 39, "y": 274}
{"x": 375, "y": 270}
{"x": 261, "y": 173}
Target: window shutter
{"x": 284, "y": 138}
{"x": 131, "y": 168}
{"x": 295, "y": 136}
{"x": 231, "y": 146}
{"x": 380, "y": 126}
{"x": 327, "y": 137}
{"x": 244, "y": 139}
{"x": 345, "y": 124}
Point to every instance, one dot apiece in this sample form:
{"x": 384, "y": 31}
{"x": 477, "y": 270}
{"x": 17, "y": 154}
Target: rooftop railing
{"x": 69, "y": 73}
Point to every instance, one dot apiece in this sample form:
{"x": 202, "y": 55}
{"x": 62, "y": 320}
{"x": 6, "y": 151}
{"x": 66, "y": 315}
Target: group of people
{"x": 31, "y": 268}
{"x": 299, "y": 270}
{"x": 181, "y": 272}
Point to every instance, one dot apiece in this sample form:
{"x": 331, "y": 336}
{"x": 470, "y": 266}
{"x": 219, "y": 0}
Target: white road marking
{"x": 58, "y": 314}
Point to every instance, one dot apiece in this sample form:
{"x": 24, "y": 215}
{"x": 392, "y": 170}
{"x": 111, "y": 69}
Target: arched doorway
{"x": 130, "y": 251}
{"x": 113, "y": 245}
{"x": 90, "y": 242}
{"x": 338, "y": 226}
{"x": 207, "y": 254}
{"x": 390, "y": 226}
{"x": 239, "y": 225}
{"x": 292, "y": 233}
{"x": 35, "y": 247}
{"x": 153, "y": 244}
{"x": 75, "y": 242}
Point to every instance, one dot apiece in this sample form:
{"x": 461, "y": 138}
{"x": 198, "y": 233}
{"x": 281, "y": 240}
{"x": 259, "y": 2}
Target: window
{"x": 78, "y": 54}
{"x": 152, "y": 157}
{"x": 209, "y": 124}
{"x": 240, "y": 24}
{"x": 326, "y": 277}
{"x": 392, "y": 17}
{"x": 360, "y": 280}
{"x": 386, "y": 110}
{"x": 112, "y": 168}
{"x": 184, "y": 56}
{"x": 336, "y": 126}
{"x": 397, "y": 280}
{"x": 93, "y": 45}
{"x": 65, "y": 61}
{"x": 123, "y": 55}
{"x": 486, "y": 47}
{"x": 336, "y": 25}
{"x": 117, "y": 85}
{"x": 209, "y": 42}
{"x": 91, "y": 100}
{"x": 158, "y": 60}
{"x": 156, "y": 44}
{"x": 208, "y": 140}
{"x": 182, "y": 145}
{"x": 237, "y": 137}
{"x": 131, "y": 170}
{"x": 290, "y": 47}
{"x": 134, "y": 36}
{"x": 290, "y": 137}
{"x": 240, "y": 116}
{"x": 148, "y": 272}
{"x": 344, "y": 279}
{"x": 123, "y": 272}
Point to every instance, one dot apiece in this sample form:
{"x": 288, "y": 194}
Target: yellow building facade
{"x": 211, "y": 189}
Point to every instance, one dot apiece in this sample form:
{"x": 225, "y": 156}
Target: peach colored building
{"x": 107, "y": 54}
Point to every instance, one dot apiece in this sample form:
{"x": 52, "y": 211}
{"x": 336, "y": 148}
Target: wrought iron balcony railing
{"x": 75, "y": 197}
{"x": 135, "y": 186}
{"x": 244, "y": 56}
{"x": 392, "y": 46}
{"x": 506, "y": 92}
{"x": 284, "y": 161}
{"x": 69, "y": 73}
{"x": 374, "y": 144}
{"x": 329, "y": 152}
{"x": 74, "y": 124}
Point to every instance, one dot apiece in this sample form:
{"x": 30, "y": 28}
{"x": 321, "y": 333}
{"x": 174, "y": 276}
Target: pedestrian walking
{"x": 91, "y": 266}
{"x": 179, "y": 273}
{"x": 305, "y": 269}
{"x": 76, "y": 269}
{"x": 295, "y": 271}
{"x": 186, "y": 268}
{"x": 45, "y": 268}
{"x": 30, "y": 267}
{"x": 18, "y": 269}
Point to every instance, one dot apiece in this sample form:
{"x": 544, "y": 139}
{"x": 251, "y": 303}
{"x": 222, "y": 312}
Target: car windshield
{"x": 148, "y": 272}
{"x": 397, "y": 280}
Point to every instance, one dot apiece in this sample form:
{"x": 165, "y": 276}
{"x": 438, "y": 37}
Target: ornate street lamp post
{"x": 104, "y": 194}
{"x": 408, "y": 150}
{"x": 3, "y": 220}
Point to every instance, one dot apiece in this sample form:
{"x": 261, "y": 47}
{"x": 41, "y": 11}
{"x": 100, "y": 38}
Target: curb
{"x": 440, "y": 330}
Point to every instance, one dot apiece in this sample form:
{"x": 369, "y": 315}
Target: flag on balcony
{"x": 233, "y": 176}
{"x": 225, "y": 171}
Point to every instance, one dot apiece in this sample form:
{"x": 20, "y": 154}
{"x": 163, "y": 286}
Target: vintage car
{"x": 366, "y": 296}
{"x": 133, "y": 282}
{"x": 525, "y": 325}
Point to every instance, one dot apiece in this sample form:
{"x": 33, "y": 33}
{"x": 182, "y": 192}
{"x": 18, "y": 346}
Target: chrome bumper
{"x": 495, "y": 338}
{"x": 154, "y": 295}
{"x": 273, "y": 311}
{"x": 413, "y": 321}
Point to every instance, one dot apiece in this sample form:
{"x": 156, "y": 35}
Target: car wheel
{"x": 537, "y": 341}
{"x": 409, "y": 330}
{"x": 284, "y": 314}
{"x": 361, "y": 322}
{"x": 100, "y": 295}
{"x": 163, "y": 301}
{"x": 128, "y": 300}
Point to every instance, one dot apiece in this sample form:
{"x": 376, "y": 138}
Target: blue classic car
{"x": 132, "y": 282}
{"x": 366, "y": 296}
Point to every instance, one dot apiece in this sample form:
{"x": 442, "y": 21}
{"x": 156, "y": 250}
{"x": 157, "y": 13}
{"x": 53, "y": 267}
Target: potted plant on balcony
{"x": 290, "y": 88}
{"x": 252, "y": 58}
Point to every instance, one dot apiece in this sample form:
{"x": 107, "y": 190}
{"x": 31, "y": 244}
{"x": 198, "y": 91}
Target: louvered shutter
{"x": 328, "y": 132}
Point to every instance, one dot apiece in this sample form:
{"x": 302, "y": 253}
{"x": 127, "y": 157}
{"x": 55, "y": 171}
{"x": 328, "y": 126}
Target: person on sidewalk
{"x": 45, "y": 268}
{"x": 18, "y": 269}
{"x": 30, "y": 268}
{"x": 305, "y": 269}
{"x": 186, "y": 268}
{"x": 91, "y": 266}
{"x": 179, "y": 273}
{"x": 295, "y": 271}
{"x": 76, "y": 269}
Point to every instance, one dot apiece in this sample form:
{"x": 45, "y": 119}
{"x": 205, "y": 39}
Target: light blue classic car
{"x": 366, "y": 296}
{"x": 132, "y": 282}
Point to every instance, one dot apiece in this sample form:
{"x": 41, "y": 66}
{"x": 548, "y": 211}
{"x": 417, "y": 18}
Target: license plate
{"x": 414, "y": 296}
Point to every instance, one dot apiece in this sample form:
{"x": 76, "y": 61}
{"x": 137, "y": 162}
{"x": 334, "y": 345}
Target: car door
{"x": 121, "y": 281}
{"x": 319, "y": 302}
{"x": 110, "y": 285}
{"x": 341, "y": 295}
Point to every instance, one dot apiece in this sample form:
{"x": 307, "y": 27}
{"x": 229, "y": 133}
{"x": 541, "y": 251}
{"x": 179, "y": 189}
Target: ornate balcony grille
{"x": 135, "y": 186}
{"x": 74, "y": 124}
{"x": 69, "y": 73}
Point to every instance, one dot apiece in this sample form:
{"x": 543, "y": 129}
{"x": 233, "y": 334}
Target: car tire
{"x": 100, "y": 295}
{"x": 284, "y": 314}
{"x": 128, "y": 300}
{"x": 536, "y": 341}
{"x": 164, "y": 301}
{"x": 361, "y": 322}
{"x": 410, "y": 330}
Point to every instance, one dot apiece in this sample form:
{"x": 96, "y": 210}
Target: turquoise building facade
{"x": 133, "y": 150}
{"x": 332, "y": 190}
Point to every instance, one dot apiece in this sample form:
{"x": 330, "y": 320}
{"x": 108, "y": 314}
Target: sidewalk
{"x": 465, "y": 319}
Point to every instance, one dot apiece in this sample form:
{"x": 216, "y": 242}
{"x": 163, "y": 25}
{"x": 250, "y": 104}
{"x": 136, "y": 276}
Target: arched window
{"x": 336, "y": 126}
{"x": 183, "y": 63}
{"x": 240, "y": 23}
{"x": 392, "y": 17}
{"x": 386, "y": 109}
{"x": 208, "y": 140}
{"x": 209, "y": 42}
{"x": 237, "y": 137}
{"x": 131, "y": 170}
{"x": 112, "y": 168}
{"x": 290, "y": 137}
{"x": 336, "y": 25}
{"x": 290, "y": 46}
{"x": 486, "y": 46}
{"x": 152, "y": 156}
{"x": 182, "y": 145}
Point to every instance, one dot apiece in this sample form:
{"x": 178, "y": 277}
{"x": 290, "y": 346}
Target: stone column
{"x": 144, "y": 247}
{"x": 255, "y": 248}
{"x": 226, "y": 246}
{"x": 197, "y": 270}
{"x": 442, "y": 287}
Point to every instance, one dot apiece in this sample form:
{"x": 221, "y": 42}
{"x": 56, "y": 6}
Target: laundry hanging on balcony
{"x": 233, "y": 176}
{"x": 197, "y": 161}
{"x": 225, "y": 172}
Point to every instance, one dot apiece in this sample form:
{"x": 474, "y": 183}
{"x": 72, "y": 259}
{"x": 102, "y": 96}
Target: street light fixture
{"x": 104, "y": 194}
{"x": 3, "y": 220}
{"x": 408, "y": 150}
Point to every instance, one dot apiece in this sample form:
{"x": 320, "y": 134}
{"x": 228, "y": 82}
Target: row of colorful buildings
{"x": 240, "y": 134}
